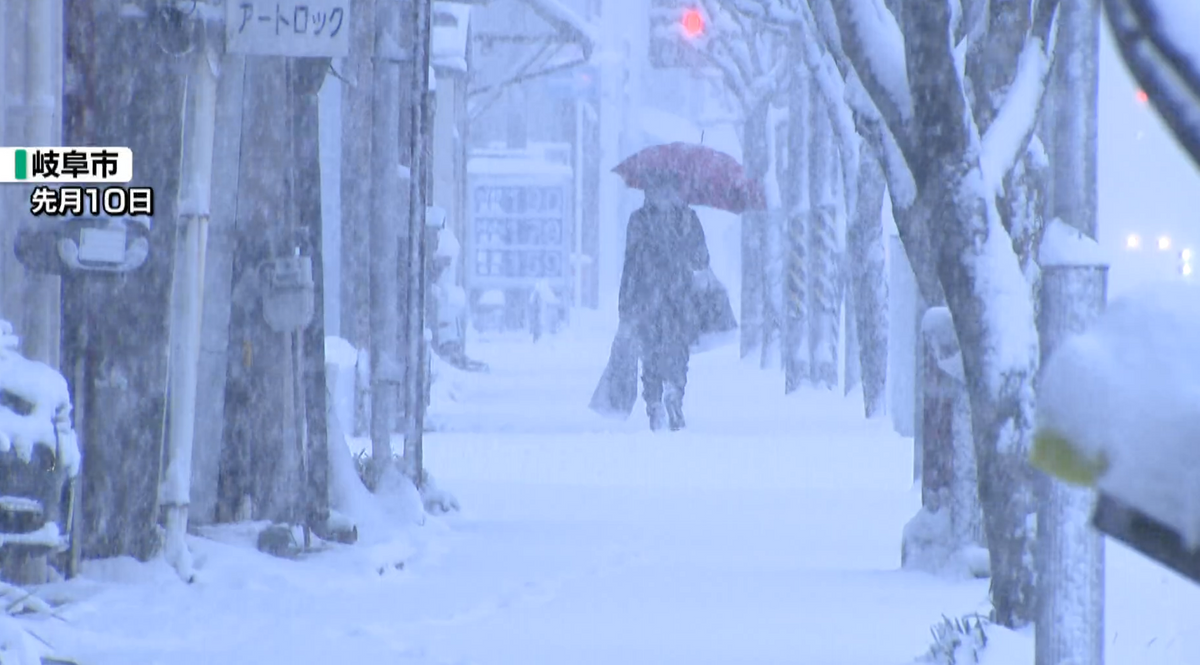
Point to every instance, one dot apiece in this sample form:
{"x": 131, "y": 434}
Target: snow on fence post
{"x": 1070, "y": 553}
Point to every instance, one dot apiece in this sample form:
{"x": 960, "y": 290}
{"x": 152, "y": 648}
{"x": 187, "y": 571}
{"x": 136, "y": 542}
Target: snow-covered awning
{"x": 570, "y": 26}
{"x": 449, "y": 37}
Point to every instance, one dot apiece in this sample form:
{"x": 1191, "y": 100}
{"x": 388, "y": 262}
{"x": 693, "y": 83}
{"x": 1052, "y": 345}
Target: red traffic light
{"x": 693, "y": 23}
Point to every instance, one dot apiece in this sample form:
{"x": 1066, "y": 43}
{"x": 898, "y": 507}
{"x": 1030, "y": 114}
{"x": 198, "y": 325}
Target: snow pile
{"x": 341, "y": 367}
{"x": 1063, "y": 245}
{"x": 928, "y": 545}
{"x": 17, "y": 647}
{"x": 1119, "y": 406}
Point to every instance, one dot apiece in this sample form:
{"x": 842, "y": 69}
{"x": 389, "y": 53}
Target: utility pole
{"x": 386, "y": 202}
{"x": 260, "y": 469}
{"x": 357, "y": 72}
{"x": 120, "y": 362}
{"x": 418, "y": 191}
{"x": 1070, "y": 622}
{"x": 308, "y": 74}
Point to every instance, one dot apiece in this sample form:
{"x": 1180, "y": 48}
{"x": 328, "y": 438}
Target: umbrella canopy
{"x": 707, "y": 177}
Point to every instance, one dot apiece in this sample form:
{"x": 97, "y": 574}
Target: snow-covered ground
{"x": 766, "y": 533}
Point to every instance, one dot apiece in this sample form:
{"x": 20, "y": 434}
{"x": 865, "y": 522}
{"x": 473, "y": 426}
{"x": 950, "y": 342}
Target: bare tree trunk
{"x": 947, "y": 534}
{"x": 772, "y": 276}
{"x": 865, "y": 243}
{"x": 952, "y": 214}
{"x": 1001, "y": 396}
{"x": 852, "y": 368}
{"x": 1070, "y": 623}
{"x": 823, "y": 251}
{"x": 774, "y": 224}
{"x": 797, "y": 350}
{"x": 754, "y": 251}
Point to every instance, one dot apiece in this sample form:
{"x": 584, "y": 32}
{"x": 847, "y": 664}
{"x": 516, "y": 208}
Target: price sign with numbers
{"x": 520, "y": 231}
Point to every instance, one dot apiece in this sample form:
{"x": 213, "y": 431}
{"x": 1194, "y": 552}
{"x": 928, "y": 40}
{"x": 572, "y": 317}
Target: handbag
{"x": 715, "y": 324}
{"x": 617, "y": 390}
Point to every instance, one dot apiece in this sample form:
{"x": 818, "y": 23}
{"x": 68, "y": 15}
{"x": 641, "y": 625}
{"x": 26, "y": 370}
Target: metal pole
{"x": 1070, "y": 554}
{"x": 384, "y": 234}
{"x": 356, "y": 175}
{"x": 415, "y": 385}
{"x": 188, "y": 305}
{"x": 40, "y": 293}
{"x": 308, "y": 76}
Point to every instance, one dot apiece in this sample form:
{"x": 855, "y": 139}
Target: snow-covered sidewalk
{"x": 768, "y": 532}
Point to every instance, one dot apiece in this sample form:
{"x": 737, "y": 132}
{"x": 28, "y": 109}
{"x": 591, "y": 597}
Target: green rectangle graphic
{"x": 19, "y": 165}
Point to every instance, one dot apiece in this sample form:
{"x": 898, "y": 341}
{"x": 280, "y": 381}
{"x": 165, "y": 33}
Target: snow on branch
{"x": 1007, "y": 137}
{"x": 1171, "y": 26}
{"x": 768, "y": 11}
{"x": 1173, "y": 98}
{"x": 566, "y": 21}
{"x": 873, "y": 43}
{"x": 747, "y": 55}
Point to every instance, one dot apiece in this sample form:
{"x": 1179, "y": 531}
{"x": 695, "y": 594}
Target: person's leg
{"x": 653, "y": 376}
{"x": 675, "y": 361}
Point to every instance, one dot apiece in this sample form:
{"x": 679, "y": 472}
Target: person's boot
{"x": 673, "y": 400}
{"x": 658, "y": 416}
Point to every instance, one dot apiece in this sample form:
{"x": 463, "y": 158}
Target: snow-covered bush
{"x": 36, "y": 406}
{"x": 959, "y": 641}
{"x": 39, "y": 450}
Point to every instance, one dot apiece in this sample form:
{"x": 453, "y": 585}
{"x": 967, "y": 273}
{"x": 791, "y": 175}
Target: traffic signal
{"x": 692, "y": 23}
{"x": 677, "y": 31}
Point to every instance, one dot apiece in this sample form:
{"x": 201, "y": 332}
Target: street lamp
{"x": 1133, "y": 241}
{"x": 1164, "y": 243}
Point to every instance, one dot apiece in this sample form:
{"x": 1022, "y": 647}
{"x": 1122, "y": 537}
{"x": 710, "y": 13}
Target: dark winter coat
{"x": 663, "y": 250}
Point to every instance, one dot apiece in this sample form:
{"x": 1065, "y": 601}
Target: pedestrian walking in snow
{"x": 671, "y": 303}
{"x": 665, "y": 255}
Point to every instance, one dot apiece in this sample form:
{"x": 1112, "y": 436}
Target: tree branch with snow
{"x": 1152, "y": 57}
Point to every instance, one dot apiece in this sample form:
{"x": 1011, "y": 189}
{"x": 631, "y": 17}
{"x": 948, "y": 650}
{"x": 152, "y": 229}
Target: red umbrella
{"x": 707, "y": 177}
